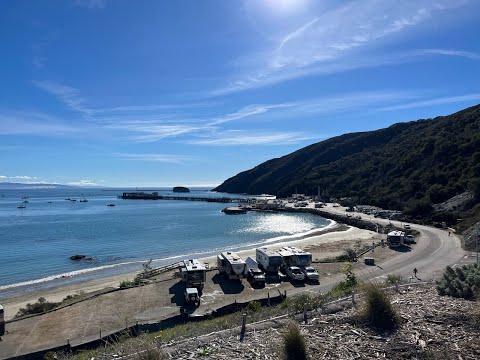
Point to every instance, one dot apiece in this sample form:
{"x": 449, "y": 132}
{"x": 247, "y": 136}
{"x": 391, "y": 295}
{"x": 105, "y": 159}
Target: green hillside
{"x": 407, "y": 166}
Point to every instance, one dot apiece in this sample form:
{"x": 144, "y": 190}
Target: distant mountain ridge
{"x": 405, "y": 166}
{"x": 10, "y": 185}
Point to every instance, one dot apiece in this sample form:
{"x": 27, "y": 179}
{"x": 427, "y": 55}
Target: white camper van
{"x": 193, "y": 273}
{"x": 269, "y": 260}
{"x": 231, "y": 264}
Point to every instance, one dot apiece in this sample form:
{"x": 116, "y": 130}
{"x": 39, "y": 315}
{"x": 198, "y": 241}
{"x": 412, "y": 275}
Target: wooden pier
{"x": 156, "y": 196}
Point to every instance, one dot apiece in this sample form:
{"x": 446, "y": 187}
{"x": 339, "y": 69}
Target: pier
{"x": 156, "y": 196}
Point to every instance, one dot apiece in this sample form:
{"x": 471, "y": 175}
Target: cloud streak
{"x": 165, "y": 158}
{"x": 66, "y": 94}
{"x": 340, "y": 39}
{"x": 234, "y": 138}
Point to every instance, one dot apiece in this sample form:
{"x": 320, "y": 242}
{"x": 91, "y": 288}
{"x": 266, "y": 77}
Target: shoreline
{"x": 333, "y": 233}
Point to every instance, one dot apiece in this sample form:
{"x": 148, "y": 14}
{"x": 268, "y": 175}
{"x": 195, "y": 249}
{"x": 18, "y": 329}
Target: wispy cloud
{"x": 66, "y": 94}
{"x": 237, "y": 137}
{"x": 149, "y": 132}
{"x": 248, "y": 111}
{"x": 451, "y": 52}
{"x": 83, "y": 183}
{"x": 165, "y": 158}
{"x": 3, "y": 177}
{"x": 34, "y": 123}
{"x": 343, "y": 38}
{"x": 23, "y": 177}
{"x": 433, "y": 102}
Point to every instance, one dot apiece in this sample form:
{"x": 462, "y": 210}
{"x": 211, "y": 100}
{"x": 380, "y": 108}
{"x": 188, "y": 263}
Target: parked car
{"x": 294, "y": 273}
{"x": 256, "y": 277}
{"x": 310, "y": 273}
{"x": 409, "y": 239}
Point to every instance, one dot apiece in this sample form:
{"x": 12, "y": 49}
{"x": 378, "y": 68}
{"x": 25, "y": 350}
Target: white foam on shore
{"x": 241, "y": 247}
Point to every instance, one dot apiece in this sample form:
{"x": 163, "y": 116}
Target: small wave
{"x": 66, "y": 275}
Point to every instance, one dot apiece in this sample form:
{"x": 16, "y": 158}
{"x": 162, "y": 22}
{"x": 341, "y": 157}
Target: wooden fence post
{"x": 305, "y": 320}
{"x": 244, "y": 325}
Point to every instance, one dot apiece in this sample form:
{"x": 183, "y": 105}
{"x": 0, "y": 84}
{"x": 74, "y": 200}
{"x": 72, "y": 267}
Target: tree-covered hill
{"x": 407, "y": 166}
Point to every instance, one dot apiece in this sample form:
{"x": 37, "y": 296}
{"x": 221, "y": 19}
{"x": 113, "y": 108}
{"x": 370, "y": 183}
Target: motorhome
{"x": 269, "y": 260}
{"x": 193, "y": 273}
{"x": 2, "y": 321}
{"x": 395, "y": 238}
{"x": 293, "y": 256}
{"x": 231, "y": 264}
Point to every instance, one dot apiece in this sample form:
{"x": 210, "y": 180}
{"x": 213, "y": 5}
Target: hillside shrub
{"x": 348, "y": 283}
{"x": 130, "y": 283}
{"x": 378, "y": 310}
{"x": 41, "y": 306}
{"x": 294, "y": 346}
{"x": 461, "y": 282}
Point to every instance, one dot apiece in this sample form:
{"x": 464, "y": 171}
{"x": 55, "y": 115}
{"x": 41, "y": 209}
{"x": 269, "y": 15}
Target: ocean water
{"x": 36, "y": 242}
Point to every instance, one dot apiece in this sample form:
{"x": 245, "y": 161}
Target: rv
{"x": 232, "y": 265}
{"x": 269, "y": 260}
{"x": 193, "y": 273}
{"x": 293, "y": 256}
{"x": 395, "y": 238}
{"x": 2, "y": 321}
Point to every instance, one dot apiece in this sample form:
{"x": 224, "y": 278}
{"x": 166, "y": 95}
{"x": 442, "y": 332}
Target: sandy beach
{"x": 324, "y": 243}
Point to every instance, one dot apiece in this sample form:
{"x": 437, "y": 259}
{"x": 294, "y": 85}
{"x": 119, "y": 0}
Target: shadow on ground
{"x": 228, "y": 286}
{"x": 177, "y": 291}
{"x": 403, "y": 248}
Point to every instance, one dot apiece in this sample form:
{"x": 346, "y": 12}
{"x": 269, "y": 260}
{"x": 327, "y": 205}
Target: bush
{"x": 254, "y": 306}
{"x": 130, "y": 283}
{"x": 294, "y": 347}
{"x": 41, "y": 306}
{"x": 378, "y": 310}
{"x": 462, "y": 282}
{"x": 297, "y": 302}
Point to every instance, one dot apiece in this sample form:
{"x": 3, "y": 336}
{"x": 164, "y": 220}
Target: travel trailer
{"x": 293, "y": 256}
{"x": 193, "y": 273}
{"x": 269, "y": 260}
{"x": 231, "y": 264}
{"x": 395, "y": 238}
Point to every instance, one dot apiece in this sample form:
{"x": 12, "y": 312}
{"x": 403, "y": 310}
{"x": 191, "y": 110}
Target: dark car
{"x": 409, "y": 239}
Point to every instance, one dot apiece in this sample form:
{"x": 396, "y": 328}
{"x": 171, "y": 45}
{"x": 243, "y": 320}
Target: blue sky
{"x": 164, "y": 93}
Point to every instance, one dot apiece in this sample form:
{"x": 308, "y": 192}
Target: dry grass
{"x": 377, "y": 310}
{"x": 294, "y": 346}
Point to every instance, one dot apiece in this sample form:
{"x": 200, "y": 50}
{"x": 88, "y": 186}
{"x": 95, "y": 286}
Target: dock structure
{"x": 156, "y": 196}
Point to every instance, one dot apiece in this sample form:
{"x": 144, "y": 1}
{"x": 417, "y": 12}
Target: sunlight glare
{"x": 285, "y": 7}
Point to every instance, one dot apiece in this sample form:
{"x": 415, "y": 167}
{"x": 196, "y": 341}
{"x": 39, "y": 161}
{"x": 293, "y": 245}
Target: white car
{"x": 310, "y": 273}
{"x": 294, "y": 273}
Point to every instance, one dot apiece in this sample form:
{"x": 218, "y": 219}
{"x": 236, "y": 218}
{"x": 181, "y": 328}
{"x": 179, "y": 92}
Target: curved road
{"x": 434, "y": 250}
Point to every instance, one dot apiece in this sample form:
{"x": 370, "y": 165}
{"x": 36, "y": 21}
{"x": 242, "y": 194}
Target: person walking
{"x": 415, "y": 272}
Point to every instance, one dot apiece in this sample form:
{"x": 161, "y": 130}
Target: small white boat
{"x": 21, "y": 206}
